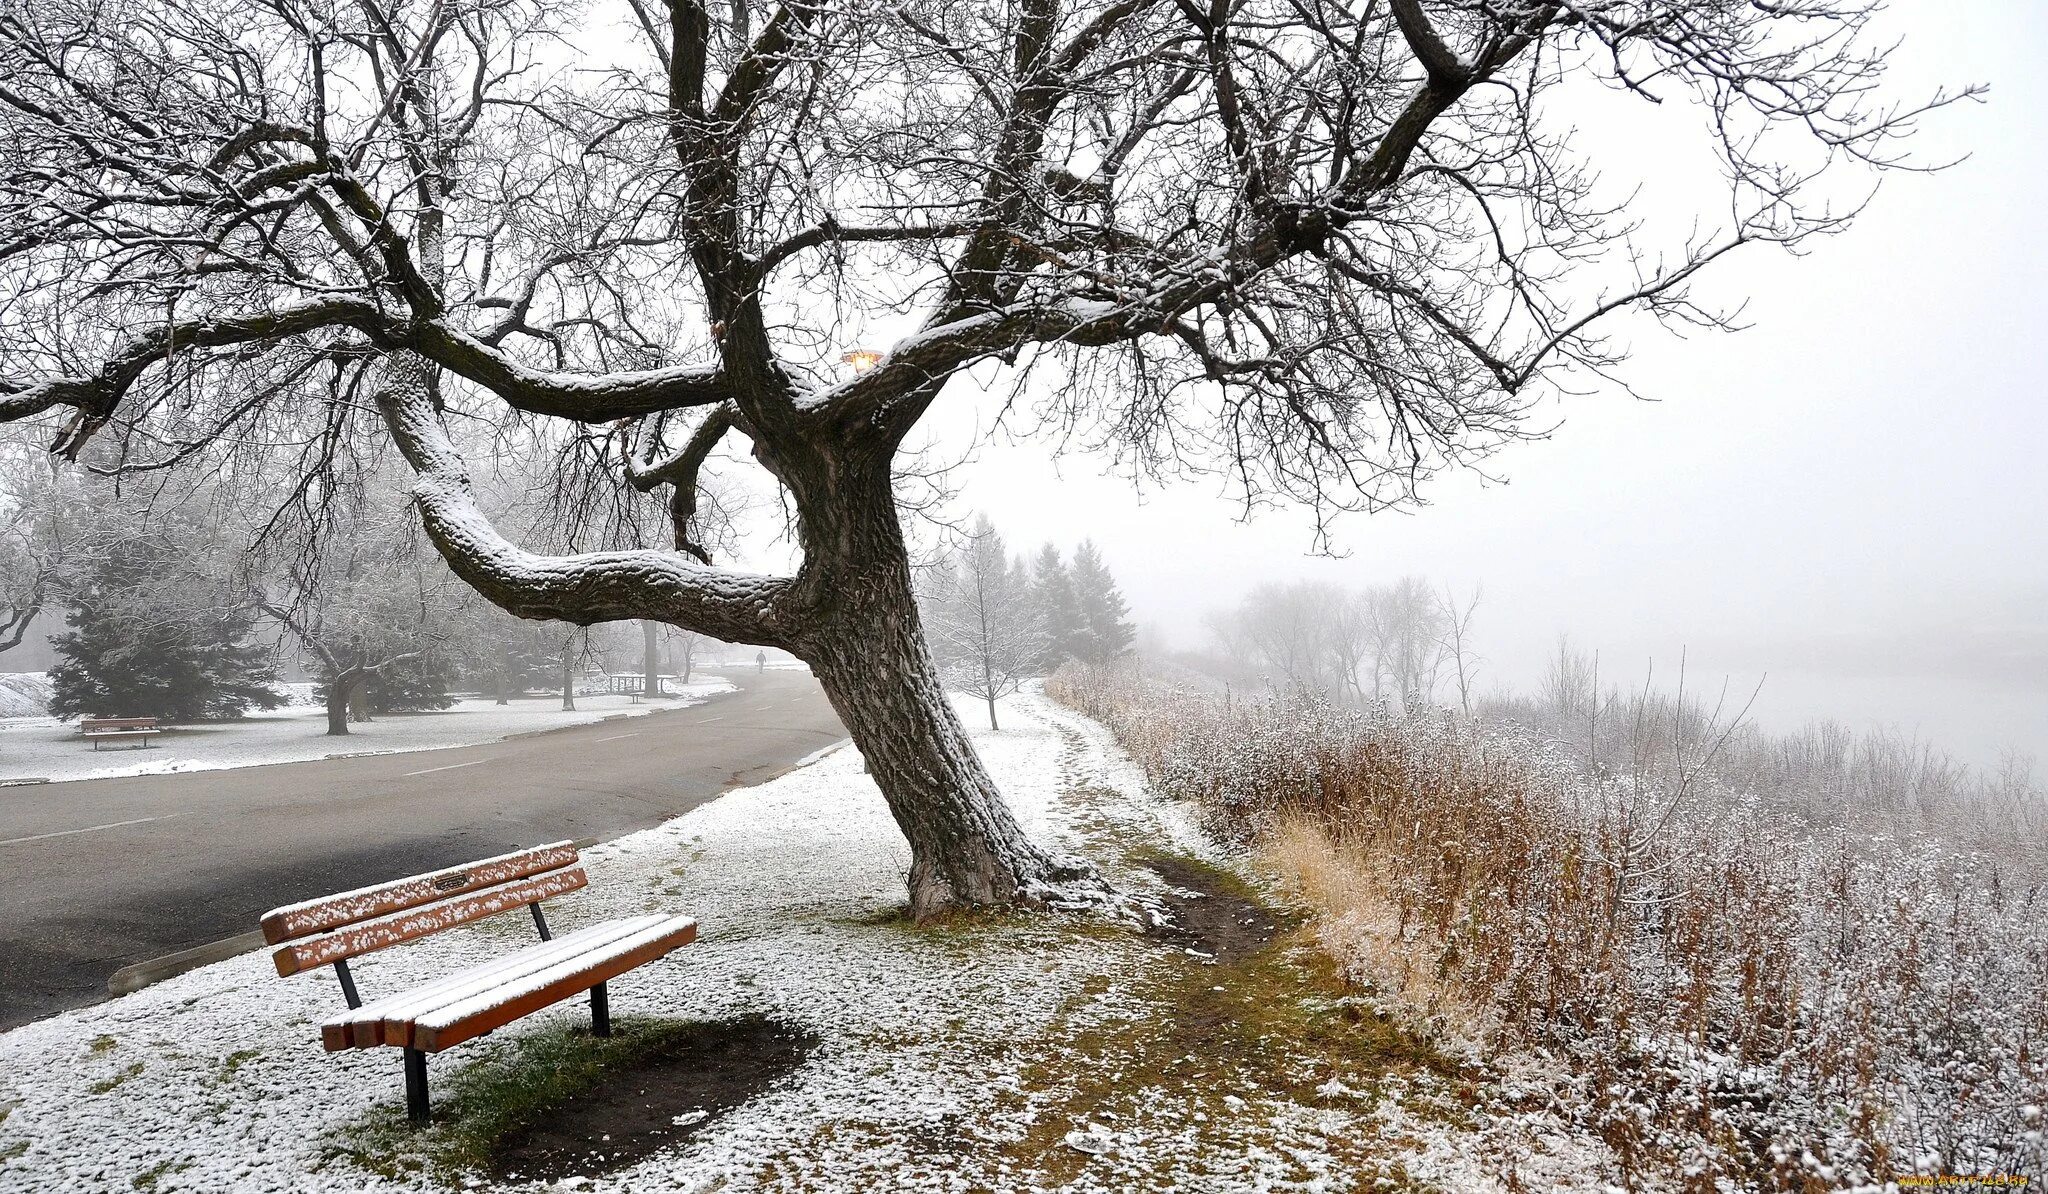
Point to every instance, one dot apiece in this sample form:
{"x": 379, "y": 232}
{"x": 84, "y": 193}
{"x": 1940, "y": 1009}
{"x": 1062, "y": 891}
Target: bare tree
{"x": 1455, "y": 619}
{"x": 1327, "y": 250}
{"x": 987, "y": 630}
{"x": 1405, "y": 627}
{"x": 682, "y": 653}
{"x": 46, "y": 535}
{"x": 1293, "y": 632}
{"x": 1571, "y": 680}
{"x": 360, "y": 604}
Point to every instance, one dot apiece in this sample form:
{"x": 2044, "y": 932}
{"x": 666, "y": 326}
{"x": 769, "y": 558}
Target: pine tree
{"x": 1059, "y": 611}
{"x": 1103, "y": 612}
{"x": 133, "y": 651}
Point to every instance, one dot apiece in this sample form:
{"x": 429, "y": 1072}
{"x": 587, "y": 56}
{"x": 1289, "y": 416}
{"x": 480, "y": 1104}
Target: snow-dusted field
{"x": 42, "y": 747}
{"x": 215, "y": 1081}
{"x": 24, "y": 694}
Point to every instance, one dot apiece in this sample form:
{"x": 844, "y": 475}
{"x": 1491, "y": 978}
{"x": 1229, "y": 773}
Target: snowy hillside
{"x": 24, "y": 694}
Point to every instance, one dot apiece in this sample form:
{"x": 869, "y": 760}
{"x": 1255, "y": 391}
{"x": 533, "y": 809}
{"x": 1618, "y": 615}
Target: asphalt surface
{"x": 97, "y": 875}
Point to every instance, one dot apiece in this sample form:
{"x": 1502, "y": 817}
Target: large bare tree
{"x": 1324, "y": 248}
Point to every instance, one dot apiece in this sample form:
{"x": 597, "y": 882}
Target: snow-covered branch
{"x": 583, "y": 588}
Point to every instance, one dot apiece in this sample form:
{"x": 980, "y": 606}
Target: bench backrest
{"x": 90, "y": 724}
{"x": 338, "y": 927}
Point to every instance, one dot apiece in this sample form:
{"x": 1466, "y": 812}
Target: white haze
{"x": 1849, "y": 495}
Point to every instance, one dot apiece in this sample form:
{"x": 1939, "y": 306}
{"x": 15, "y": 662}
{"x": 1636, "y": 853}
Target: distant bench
{"x": 119, "y": 729}
{"x": 473, "y": 1001}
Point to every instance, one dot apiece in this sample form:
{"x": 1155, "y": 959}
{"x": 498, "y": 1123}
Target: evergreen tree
{"x": 136, "y": 650}
{"x": 1059, "y": 611}
{"x": 1103, "y": 612}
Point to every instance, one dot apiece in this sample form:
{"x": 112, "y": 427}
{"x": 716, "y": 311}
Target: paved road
{"x": 98, "y": 874}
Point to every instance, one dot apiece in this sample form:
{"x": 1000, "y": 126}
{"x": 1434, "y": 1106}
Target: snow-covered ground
{"x": 942, "y": 1053}
{"x": 42, "y": 747}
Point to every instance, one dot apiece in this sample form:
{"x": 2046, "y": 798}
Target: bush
{"x": 1746, "y": 995}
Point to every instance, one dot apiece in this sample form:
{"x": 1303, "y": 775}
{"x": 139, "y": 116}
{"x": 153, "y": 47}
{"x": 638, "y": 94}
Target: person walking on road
{"x": 760, "y": 661}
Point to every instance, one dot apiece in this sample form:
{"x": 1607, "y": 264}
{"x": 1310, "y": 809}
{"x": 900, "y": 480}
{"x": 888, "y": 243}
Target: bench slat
{"x": 400, "y": 927}
{"x": 396, "y": 1025}
{"x": 495, "y": 1008}
{"x": 87, "y": 725}
{"x": 365, "y": 903}
{"x": 363, "y": 1027}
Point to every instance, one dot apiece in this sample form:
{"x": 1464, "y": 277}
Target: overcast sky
{"x": 1848, "y": 495}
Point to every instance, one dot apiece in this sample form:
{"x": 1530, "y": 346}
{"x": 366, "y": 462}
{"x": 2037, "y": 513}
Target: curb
{"x": 129, "y": 979}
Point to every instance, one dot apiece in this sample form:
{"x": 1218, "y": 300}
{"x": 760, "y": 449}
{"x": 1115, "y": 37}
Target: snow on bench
{"x": 114, "y": 729}
{"x": 480, "y": 998}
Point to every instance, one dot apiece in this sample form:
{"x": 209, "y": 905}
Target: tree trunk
{"x": 341, "y": 691}
{"x": 868, "y": 651}
{"x": 650, "y": 668}
{"x": 569, "y": 674}
{"x": 992, "y": 714}
{"x": 359, "y": 699}
{"x": 504, "y": 673}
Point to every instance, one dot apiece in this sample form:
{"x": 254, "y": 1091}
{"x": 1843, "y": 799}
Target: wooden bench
{"x": 106, "y": 729}
{"x": 473, "y": 1001}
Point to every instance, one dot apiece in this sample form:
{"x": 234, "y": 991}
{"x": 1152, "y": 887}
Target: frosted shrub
{"x": 1750, "y": 997}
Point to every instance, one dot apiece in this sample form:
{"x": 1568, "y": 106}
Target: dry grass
{"x": 1745, "y": 998}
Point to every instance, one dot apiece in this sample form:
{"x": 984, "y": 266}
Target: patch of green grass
{"x": 480, "y": 1104}
{"x": 10, "y": 1151}
{"x": 1215, "y": 1039}
{"x": 102, "y": 1044}
{"x": 147, "y": 1179}
{"x": 235, "y": 1061}
{"x": 107, "y": 1085}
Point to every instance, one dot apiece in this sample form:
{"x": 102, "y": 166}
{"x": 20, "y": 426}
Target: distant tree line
{"x": 995, "y": 620}
{"x": 1407, "y": 643}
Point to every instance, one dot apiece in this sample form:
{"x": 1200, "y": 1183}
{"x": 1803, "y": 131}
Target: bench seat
{"x": 98, "y": 736}
{"x": 491, "y": 994}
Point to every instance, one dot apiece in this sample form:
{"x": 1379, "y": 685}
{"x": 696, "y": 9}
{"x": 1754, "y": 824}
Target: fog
{"x": 1846, "y": 495}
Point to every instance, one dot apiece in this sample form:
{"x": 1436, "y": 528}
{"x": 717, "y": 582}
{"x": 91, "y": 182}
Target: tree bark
{"x": 650, "y": 668}
{"x": 965, "y": 846}
{"x": 868, "y": 651}
{"x": 341, "y": 691}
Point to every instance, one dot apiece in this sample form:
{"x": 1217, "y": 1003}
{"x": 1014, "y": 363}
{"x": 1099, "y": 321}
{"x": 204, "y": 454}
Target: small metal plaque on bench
{"x": 451, "y": 881}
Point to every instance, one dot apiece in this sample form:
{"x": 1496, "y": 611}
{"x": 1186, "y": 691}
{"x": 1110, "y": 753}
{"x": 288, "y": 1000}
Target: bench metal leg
{"x": 416, "y": 1085}
{"x": 348, "y": 984}
{"x": 600, "y": 1011}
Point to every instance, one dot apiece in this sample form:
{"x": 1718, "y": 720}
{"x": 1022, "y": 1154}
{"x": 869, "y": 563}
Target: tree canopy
{"x": 1321, "y": 250}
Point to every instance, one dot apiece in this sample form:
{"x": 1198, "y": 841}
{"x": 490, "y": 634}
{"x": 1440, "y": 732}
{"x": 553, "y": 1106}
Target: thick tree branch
{"x": 587, "y": 398}
{"x": 681, "y": 472}
{"x": 1437, "y": 58}
{"x": 582, "y": 589}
